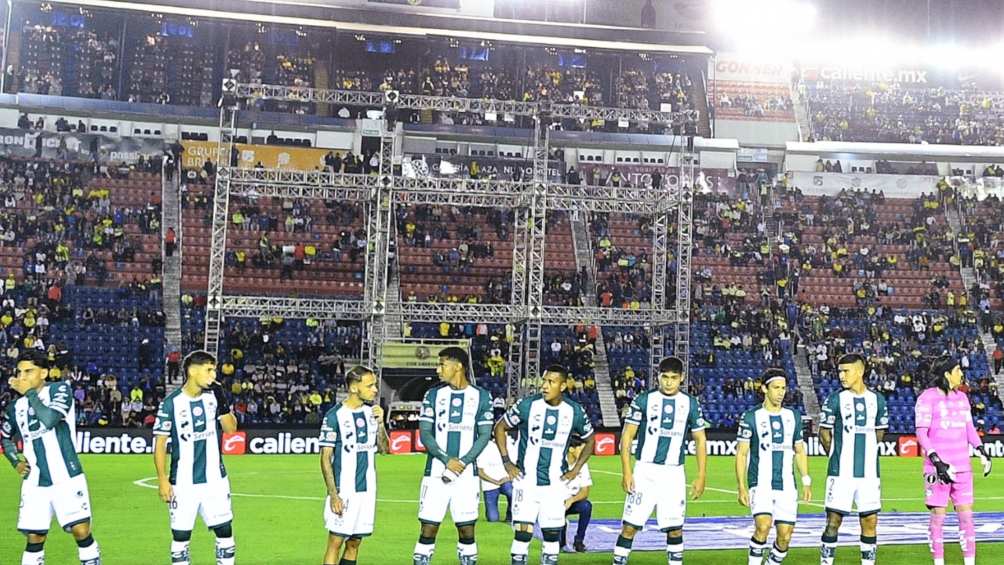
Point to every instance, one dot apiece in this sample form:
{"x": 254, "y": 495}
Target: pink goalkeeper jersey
{"x": 945, "y": 426}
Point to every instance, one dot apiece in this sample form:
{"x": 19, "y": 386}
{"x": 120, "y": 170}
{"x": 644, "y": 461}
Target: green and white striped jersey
{"x": 663, "y": 422}
{"x": 352, "y": 434}
{"x": 50, "y": 451}
{"x": 455, "y": 416}
{"x": 196, "y": 437}
{"x": 772, "y": 437}
{"x": 854, "y": 420}
{"x": 544, "y": 435}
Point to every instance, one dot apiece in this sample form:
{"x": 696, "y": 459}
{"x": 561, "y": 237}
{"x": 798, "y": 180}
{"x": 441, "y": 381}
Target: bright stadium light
{"x": 750, "y": 18}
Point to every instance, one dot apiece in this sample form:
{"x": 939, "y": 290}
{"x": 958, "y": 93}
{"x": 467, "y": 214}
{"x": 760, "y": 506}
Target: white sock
{"x": 179, "y": 553}
{"x": 674, "y": 553}
{"x": 551, "y": 548}
{"x": 621, "y": 551}
{"x": 755, "y": 555}
{"x": 425, "y": 549}
{"x": 33, "y": 558}
{"x": 939, "y": 561}
{"x": 226, "y": 551}
{"x": 969, "y": 560}
{"x": 868, "y": 553}
{"x": 776, "y": 556}
{"x": 467, "y": 549}
{"x": 827, "y": 553}
{"x": 520, "y": 547}
{"x": 90, "y": 555}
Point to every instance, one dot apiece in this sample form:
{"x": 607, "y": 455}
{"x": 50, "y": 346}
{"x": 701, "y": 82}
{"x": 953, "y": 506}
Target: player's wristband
{"x": 506, "y": 460}
{"x": 806, "y": 481}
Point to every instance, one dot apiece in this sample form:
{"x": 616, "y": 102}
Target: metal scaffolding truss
{"x": 684, "y": 250}
{"x": 530, "y": 201}
{"x": 448, "y": 191}
{"x": 395, "y": 99}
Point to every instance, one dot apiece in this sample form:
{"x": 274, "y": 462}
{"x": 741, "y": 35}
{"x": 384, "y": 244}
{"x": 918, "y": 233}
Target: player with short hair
{"x": 852, "y": 424}
{"x": 548, "y": 424}
{"x": 945, "y": 431}
{"x": 351, "y": 434}
{"x": 193, "y": 418}
{"x": 770, "y": 446}
{"x": 455, "y": 425}
{"x": 660, "y": 419}
{"x": 53, "y": 480}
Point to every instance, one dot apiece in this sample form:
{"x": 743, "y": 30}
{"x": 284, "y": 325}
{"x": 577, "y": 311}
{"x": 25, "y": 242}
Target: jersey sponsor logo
{"x": 606, "y": 444}
{"x": 197, "y": 411}
{"x": 235, "y": 443}
{"x": 400, "y": 441}
{"x": 360, "y": 422}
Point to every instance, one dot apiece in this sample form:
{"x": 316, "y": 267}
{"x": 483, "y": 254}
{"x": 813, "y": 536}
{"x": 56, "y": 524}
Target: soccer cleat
{"x": 579, "y": 547}
{"x": 467, "y": 559}
{"x": 180, "y": 557}
{"x": 95, "y": 561}
{"x": 519, "y": 559}
{"x": 548, "y": 559}
{"x": 419, "y": 559}
{"x": 620, "y": 560}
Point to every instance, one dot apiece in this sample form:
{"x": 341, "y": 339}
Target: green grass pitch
{"x": 277, "y": 507}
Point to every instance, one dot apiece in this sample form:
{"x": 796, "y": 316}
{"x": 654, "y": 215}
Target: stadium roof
{"x": 904, "y": 151}
{"x": 321, "y": 15}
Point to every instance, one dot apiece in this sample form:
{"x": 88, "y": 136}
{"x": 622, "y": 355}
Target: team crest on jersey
{"x": 331, "y": 436}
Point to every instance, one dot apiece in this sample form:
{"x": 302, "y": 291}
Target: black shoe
{"x": 579, "y": 547}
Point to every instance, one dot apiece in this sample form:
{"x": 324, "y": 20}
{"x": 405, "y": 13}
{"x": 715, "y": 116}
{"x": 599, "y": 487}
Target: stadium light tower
{"x": 742, "y": 23}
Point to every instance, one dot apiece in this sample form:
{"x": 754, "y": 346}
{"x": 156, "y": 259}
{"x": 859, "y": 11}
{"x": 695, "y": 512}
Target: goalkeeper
{"x": 945, "y": 431}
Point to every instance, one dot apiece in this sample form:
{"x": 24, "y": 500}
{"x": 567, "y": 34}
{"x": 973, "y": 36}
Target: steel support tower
{"x": 530, "y": 201}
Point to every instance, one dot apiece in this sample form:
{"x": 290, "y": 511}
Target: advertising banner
{"x": 432, "y": 165}
{"x": 739, "y": 68}
{"x": 894, "y": 186}
{"x": 451, "y": 4}
{"x": 270, "y": 156}
{"x": 106, "y": 149}
{"x": 718, "y": 180}
{"x": 305, "y": 441}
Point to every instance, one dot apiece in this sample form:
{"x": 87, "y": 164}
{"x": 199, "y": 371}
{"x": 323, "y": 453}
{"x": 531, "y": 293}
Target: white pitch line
{"x": 144, "y": 483}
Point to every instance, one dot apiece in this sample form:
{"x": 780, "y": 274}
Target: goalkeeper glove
{"x": 943, "y": 470}
{"x": 222, "y": 404}
{"x": 985, "y": 460}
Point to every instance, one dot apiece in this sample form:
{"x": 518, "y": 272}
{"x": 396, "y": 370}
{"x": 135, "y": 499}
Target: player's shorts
{"x": 210, "y": 500}
{"x": 356, "y": 520}
{"x": 462, "y": 496}
{"x": 543, "y": 505}
{"x": 842, "y": 494}
{"x": 938, "y": 494}
{"x": 69, "y": 501}
{"x": 662, "y": 488}
{"x": 782, "y": 505}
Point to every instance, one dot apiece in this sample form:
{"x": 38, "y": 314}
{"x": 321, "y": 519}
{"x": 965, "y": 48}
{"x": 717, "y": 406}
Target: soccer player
{"x": 194, "y": 418}
{"x": 945, "y": 431}
{"x": 769, "y": 446}
{"x": 53, "y": 480}
{"x": 852, "y": 424}
{"x": 351, "y": 434}
{"x": 660, "y": 419}
{"x": 547, "y": 425}
{"x": 455, "y": 425}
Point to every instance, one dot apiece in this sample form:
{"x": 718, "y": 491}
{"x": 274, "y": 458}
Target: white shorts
{"x": 462, "y": 496}
{"x": 662, "y": 488}
{"x": 210, "y": 500}
{"x": 842, "y": 494}
{"x": 69, "y": 501}
{"x": 356, "y": 520}
{"x": 782, "y": 505}
{"x": 543, "y": 505}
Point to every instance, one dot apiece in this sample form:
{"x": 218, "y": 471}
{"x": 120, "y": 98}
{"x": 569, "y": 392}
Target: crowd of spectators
{"x": 752, "y": 100}
{"x": 896, "y": 113}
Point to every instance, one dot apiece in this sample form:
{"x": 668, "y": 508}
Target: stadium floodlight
{"x": 751, "y": 19}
